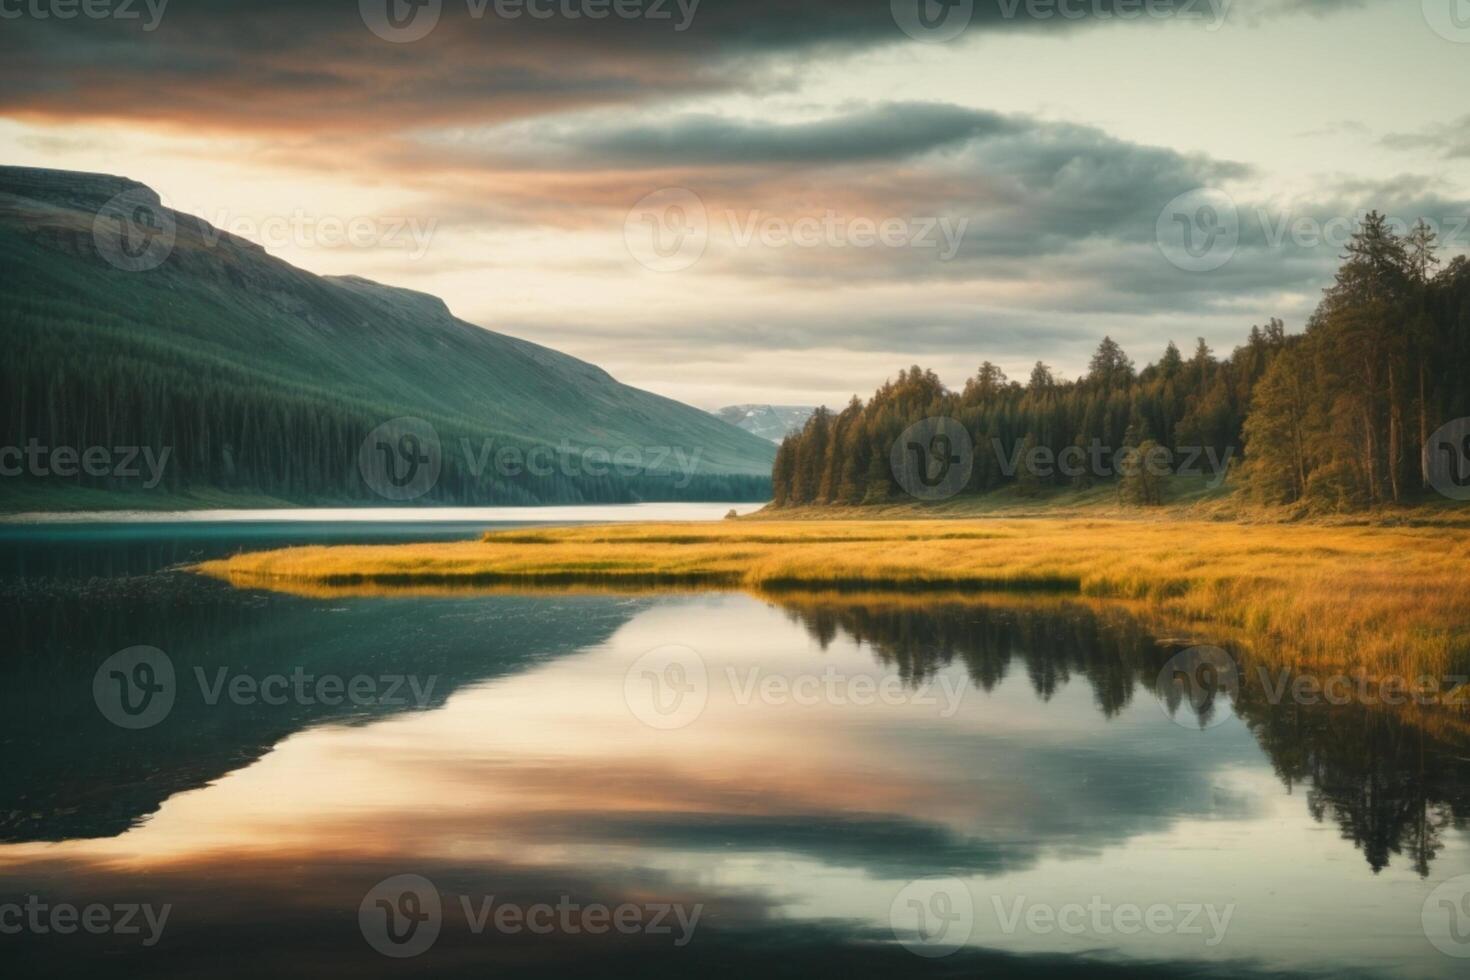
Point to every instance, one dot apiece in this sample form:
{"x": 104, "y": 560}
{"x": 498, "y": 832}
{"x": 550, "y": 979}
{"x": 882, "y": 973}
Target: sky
{"x": 778, "y": 201}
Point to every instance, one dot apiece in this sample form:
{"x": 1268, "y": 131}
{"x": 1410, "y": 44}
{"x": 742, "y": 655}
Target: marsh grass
{"x": 1384, "y": 599}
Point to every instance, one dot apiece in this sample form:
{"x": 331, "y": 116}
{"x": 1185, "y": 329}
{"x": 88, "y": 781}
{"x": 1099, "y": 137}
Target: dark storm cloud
{"x": 278, "y": 65}
{"x": 1040, "y": 201}
{"x": 1026, "y": 186}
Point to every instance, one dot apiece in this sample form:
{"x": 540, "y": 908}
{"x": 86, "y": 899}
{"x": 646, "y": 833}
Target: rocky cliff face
{"x": 69, "y": 189}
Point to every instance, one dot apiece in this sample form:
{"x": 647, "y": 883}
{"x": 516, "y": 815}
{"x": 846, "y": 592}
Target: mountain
{"x": 131, "y": 325}
{"x": 773, "y": 422}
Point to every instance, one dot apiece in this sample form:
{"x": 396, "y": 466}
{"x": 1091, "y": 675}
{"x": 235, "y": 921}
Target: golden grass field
{"x": 1385, "y": 599}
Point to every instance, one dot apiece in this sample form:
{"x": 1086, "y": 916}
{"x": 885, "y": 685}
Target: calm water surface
{"x": 806, "y": 784}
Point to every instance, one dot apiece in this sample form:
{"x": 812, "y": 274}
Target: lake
{"x": 486, "y": 784}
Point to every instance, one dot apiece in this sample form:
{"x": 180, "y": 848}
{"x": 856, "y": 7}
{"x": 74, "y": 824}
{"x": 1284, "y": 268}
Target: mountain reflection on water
{"x": 1039, "y": 765}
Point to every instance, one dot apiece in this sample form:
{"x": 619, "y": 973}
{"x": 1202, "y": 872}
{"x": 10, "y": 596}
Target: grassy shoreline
{"x": 1385, "y": 598}
{"x": 1186, "y": 499}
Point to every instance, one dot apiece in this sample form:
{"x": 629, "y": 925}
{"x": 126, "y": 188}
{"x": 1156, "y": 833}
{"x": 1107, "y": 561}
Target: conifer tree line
{"x": 68, "y": 385}
{"x": 1335, "y": 418}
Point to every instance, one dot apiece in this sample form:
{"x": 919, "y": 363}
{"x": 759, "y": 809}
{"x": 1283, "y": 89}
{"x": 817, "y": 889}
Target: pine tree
{"x": 1142, "y": 482}
{"x": 1028, "y": 481}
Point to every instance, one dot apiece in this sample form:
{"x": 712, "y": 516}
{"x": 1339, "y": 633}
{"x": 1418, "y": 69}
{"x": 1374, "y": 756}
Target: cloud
{"x": 1450, "y": 140}
{"x": 1322, "y": 8}
{"x": 1342, "y": 127}
{"x": 1262, "y": 10}
{"x": 886, "y": 132}
{"x": 1057, "y": 228}
{"x": 280, "y": 66}
{"x": 906, "y": 157}
{"x": 527, "y": 142}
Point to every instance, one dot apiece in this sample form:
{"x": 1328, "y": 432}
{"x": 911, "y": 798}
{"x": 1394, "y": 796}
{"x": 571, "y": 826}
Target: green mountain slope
{"x": 262, "y": 379}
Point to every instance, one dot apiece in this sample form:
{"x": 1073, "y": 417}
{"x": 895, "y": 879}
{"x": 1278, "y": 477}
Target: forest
{"x": 227, "y": 430}
{"x": 1333, "y": 419}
